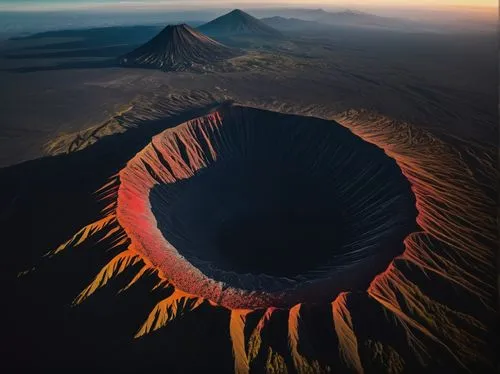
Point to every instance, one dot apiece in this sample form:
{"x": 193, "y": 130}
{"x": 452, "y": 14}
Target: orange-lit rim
{"x": 135, "y": 216}
{"x": 456, "y": 243}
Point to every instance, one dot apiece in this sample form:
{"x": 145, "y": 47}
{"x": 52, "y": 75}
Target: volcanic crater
{"x": 250, "y": 208}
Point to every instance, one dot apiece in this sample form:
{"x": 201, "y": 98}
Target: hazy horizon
{"x": 28, "y": 16}
{"x": 127, "y": 5}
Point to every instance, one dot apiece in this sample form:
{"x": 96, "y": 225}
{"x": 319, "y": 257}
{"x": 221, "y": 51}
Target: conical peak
{"x": 180, "y": 33}
{"x": 178, "y": 47}
{"x": 237, "y": 22}
{"x": 237, "y": 11}
{"x": 178, "y": 26}
{"x": 182, "y": 27}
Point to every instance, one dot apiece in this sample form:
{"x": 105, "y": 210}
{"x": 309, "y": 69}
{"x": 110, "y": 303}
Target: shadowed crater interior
{"x": 283, "y": 200}
{"x": 247, "y": 217}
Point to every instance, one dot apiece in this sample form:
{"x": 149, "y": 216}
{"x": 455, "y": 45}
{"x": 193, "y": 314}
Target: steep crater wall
{"x": 250, "y": 208}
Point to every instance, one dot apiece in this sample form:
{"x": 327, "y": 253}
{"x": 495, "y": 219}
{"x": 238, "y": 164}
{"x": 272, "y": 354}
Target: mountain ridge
{"x": 346, "y": 18}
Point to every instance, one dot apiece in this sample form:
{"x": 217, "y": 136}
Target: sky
{"x": 34, "y": 5}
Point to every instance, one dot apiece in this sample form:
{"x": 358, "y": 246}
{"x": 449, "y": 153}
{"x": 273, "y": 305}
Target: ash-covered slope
{"x": 176, "y": 48}
{"x": 238, "y": 22}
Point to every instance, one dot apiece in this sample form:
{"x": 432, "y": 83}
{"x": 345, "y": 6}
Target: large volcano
{"x": 285, "y": 234}
{"x": 237, "y": 23}
{"x": 177, "y": 48}
{"x": 252, "y": 208}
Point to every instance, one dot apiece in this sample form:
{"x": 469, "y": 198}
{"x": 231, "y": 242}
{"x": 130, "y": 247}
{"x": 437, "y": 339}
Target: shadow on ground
{"x": 47, "y": 200}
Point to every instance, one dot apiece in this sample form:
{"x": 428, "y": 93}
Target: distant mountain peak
{"x": 237, "y": 11}
{"x": 238, "y": 22}
{"x": 178, "y": 47}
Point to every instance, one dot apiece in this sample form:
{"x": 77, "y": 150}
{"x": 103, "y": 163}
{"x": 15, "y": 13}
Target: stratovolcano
{"x": 177, "y": 48}
{"x": 238, "y": 23}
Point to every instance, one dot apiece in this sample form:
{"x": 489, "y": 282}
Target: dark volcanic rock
{"x": 177, "y": 48}
{"x": 238, "y": 22}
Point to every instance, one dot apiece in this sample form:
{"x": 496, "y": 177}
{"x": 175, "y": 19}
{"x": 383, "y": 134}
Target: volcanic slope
{"x": 238, "y": 22}
{"x": 178, "y": 48}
